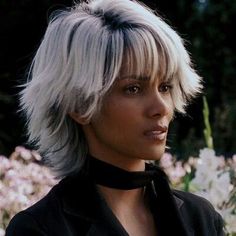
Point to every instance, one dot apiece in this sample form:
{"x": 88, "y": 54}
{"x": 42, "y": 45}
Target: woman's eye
{"x": 132, "y": 89}
{"x": 164, "y": 88}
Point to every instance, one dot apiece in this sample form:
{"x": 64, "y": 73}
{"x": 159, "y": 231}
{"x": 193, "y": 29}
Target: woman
{"x": 105, "y": 83}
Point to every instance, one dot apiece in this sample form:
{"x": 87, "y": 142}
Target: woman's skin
{"x": 132, "y": 124}
{"x": 131, "y": 210}
{"x": 130, "y": 128}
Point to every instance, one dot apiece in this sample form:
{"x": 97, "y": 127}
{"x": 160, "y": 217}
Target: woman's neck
{"x": 118, "y": 199}
{"x": 123, "y": 188}
{"x": 131, "y": 210}
{"x": 124, "y": 162}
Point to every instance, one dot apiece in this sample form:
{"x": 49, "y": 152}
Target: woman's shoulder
{"x": 194, "y": 201}
{"x": 23, "y": 223}
{"x": 196, "y": 210}
{"x": 31, "y": 219}
{"x": 48, "y": 215}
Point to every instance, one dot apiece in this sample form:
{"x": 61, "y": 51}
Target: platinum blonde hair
{"x": 80, "y": 57}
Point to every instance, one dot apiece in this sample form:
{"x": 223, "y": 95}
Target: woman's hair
{"x": 80, "y": 57}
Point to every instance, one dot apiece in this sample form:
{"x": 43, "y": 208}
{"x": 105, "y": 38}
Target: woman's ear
{"x": 78, "y": 118}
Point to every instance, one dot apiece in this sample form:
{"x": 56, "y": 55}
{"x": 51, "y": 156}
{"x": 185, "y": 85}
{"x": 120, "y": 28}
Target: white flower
{"x": 22, "y": 183}
{"x": 24, "y": 153}
{"x": 167, "y": 160}
{"x": 2, "y": 232}
{"x": 214, "y": 179}
{"x": 230, "y": 219}
{"x": 207, "y": 171}
{"x": 208, "y": 159}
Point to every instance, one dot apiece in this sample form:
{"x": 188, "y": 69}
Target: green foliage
{"x": 207, "y": 129}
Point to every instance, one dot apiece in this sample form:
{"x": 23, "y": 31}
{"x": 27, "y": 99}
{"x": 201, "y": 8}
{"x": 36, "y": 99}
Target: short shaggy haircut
{"x": 80, "y": 57}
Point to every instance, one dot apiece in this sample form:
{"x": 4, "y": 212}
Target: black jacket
{"x": 74, "y": 207}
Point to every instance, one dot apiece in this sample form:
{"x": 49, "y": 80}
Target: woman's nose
{"x": 159, "y": 104}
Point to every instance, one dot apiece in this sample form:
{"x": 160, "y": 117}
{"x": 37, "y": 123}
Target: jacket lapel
{"x": 91, "y": 210}
{"x": 180, "y": 203}
{"x": 89, "y": 207}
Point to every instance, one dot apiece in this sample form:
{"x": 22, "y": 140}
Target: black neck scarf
{"x": 108, "y": 175}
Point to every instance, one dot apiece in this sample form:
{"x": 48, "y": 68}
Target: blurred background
{"x": 207, "y": 27}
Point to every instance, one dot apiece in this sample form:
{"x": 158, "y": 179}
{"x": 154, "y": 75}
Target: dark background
{"x": 208, "y": 28}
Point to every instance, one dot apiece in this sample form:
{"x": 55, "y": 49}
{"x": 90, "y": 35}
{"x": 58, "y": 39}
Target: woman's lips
{"x": 157, "y": 134}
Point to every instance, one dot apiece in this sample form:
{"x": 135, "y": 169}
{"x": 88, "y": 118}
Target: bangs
{"x": 146, "y": 55}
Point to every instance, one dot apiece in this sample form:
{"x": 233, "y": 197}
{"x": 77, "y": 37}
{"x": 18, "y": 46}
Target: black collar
{"x": 86, "y": 202}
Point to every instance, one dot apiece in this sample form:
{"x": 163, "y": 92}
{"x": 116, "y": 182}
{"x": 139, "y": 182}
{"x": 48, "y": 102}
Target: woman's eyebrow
{"x": 169, "y": 79}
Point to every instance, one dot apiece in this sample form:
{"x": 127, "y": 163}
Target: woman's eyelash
{"x": 133, "y": 89}
{"x": 136, "y": 88}
{"x": 165, "y": 87}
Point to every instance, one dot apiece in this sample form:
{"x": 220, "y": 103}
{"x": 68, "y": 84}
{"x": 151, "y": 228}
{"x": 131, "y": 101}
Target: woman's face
{"x": 133, "y": 122}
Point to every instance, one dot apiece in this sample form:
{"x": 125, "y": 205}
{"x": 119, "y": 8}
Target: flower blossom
{"x": 23, "y": 181}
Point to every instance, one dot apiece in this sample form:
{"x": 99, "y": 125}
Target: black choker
{"x": 111, "y": 176}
